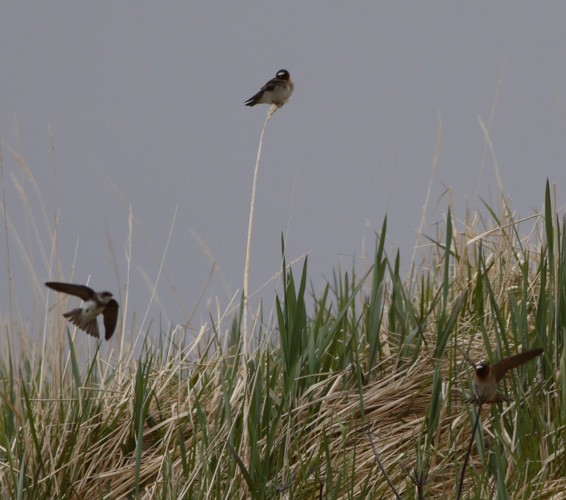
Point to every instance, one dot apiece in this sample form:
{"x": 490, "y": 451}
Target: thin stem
{"x": 250, "y": 229}
{"x": 461, "y": 485}
{"x": 380, "y": 465}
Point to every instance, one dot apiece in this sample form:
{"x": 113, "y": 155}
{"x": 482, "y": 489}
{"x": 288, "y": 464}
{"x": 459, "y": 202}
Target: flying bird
{"x": 94, "y": 303}
{"x": 276, "y": 91}
{"x": 486, "y": 376}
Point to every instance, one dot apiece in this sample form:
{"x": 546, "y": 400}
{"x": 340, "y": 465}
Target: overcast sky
{"x": 115, "y": 105}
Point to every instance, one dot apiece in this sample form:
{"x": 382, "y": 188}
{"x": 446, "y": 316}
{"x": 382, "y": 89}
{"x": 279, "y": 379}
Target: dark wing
{"x": 110, "y": 314}
{"x": 252, "y": 101}
{"x": 501, "y": 368}
{"x": 271, "y": 85}
{"x": 268, "y": 87}
{"x": 82, "y": 291}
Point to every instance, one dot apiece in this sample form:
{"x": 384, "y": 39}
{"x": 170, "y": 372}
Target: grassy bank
{"x": 352, "y": 391}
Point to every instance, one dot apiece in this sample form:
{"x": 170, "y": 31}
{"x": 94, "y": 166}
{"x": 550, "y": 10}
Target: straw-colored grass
{"x": 352, "y": 391}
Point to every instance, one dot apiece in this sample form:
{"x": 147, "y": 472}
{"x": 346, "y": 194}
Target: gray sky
{"x": 143, "y": 103}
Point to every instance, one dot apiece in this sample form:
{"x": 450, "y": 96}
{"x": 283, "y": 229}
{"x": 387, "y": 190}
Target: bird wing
{"x": 271, "y": 85}
{"x": 253, "y": 100}
{"x": 110, "y": 314}
{"x": 82, "y": 291}
{"x": 501, "y": 368}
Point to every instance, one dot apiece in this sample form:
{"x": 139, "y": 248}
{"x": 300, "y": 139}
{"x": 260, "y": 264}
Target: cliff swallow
{"x": 94, "y": 303}
{"x": 276, "y": 91}
{"x": 486, "y": 376}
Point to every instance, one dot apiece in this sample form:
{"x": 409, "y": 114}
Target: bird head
{"x": 482, "y": 369}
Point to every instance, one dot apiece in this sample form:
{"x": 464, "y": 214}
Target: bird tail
{"x": 76, "y": 318}
{"x": 252, "y": 101}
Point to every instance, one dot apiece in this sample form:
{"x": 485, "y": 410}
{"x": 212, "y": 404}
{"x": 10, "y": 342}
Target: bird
{"x": 275, "y": 92}
{"x": 94, "y": 303}
{"x": 486, "y": 376}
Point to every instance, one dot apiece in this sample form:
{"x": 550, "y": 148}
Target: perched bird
{"x": 276, "y": 91}
{"x": 94, "y": 303}
{"x": 486, "y": 376}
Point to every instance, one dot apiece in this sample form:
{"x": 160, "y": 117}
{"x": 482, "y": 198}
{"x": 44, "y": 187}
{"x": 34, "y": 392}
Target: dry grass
{"x": 366, "y": 372}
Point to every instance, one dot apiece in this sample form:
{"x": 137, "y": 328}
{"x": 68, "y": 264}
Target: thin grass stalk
{"x": 7, "y": 241}
{"x": 376, "y": 303}
{"x": 161, "y": 265}
{"x": 435, "y": 159}
{"x": 468, "y": 451}
{"x": 380, "y": 465}
{"x": 488, "y": 129}
{"x": 246, "y": 285}
{"x": 128, "y": 256}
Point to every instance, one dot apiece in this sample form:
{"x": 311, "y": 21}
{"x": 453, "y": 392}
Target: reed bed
{"x": 356, "y": 390}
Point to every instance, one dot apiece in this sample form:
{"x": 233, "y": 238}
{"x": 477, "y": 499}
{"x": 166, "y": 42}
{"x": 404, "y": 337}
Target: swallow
{"x": 276, "y": 91}
{"x": 486, "y": 376}
{"x": 94, "y": 303}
